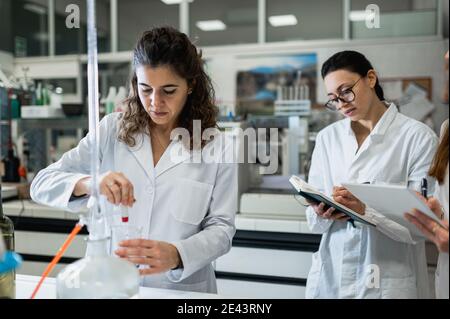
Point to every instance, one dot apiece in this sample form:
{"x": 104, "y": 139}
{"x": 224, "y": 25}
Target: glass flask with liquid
{"x": 7, "y": 280}
{"x": 98, "y": 276}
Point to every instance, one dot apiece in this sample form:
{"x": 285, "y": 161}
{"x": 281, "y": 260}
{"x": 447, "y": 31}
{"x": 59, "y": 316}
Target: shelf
{"x": 63, "y": 123}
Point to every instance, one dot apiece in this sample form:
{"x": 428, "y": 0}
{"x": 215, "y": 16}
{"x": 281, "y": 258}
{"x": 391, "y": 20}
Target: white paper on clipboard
{"x": 393, "y": 201}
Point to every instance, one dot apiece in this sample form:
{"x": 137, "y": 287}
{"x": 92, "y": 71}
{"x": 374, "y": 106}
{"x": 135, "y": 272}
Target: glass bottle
{"x": 7, "y": 280}
{"x": 98, "y": 276}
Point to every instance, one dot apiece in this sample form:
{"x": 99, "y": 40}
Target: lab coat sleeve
{"x": 317, "y": 173}
{"x": 218, "y": 228}
{"x": 389, "y": 228}
{"x": 422, "y": 151}
{"x": 54, "y": 185}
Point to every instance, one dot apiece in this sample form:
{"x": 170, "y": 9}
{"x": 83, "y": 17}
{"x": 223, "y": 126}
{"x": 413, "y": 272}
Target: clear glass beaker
{"x": 123, "y": 232}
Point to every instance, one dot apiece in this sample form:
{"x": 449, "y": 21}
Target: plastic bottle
{"x": 56, "y": 98}
{"x": 120, "y": 97}
{"x": 39, "y": 94}
{"x": 15, "y": 107}
{"x": 11, "y": 164}
{"x": 110, "y": 99}
{"x": 45, "y": 96}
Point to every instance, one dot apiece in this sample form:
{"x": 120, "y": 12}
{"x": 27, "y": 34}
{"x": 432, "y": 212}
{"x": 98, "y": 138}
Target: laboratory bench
{"x": 26, "y": 284}
{"x": 269, "y": 258}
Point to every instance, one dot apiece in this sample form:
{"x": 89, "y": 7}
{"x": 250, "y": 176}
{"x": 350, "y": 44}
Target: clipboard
{"x": 311, "y": 194}
{"x": 392, "y": 201}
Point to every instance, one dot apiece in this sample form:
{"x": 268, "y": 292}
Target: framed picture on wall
{"x": 259, "y": 77}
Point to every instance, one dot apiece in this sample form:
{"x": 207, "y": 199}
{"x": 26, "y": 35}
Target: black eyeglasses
{"x": 346, "y": 96}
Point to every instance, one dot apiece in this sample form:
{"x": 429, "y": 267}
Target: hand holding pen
{"x": 424, "y": 188}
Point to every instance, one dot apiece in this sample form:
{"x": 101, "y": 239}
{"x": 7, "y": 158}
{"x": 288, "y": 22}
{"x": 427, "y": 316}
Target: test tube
{"x": 296, "y": 93}
{"x": 125, "y": 214}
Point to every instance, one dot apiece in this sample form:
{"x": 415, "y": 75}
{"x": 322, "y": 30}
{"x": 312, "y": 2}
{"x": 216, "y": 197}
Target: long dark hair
{"x": 440, "y": 161}
{"x": 351, "y": 61}
{"x": 167, "y": 46}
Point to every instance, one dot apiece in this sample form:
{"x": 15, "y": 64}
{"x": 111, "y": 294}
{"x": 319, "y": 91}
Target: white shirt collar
{"x": 383, "y": 124}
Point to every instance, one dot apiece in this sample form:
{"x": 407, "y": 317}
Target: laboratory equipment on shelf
{"x": 271, "y": 196}
{"x": 109, "y": 101}
{"x": 294, "y": 102}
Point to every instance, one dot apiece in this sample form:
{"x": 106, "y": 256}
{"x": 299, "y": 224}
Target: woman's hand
{"x": 431, "y": 229}
{"x": 158, "y": 255}
{"x": 344, "y": 197}
{"x": 329, "y": 213}
{"x": 115, "y": 186}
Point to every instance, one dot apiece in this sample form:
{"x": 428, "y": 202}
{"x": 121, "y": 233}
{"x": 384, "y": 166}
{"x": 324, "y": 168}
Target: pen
{"x": 352, "y": 222}
{"x": 424, "y": 187}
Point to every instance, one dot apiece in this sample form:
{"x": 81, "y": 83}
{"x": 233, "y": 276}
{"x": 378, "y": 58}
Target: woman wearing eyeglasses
{"x": 373, "y": 144}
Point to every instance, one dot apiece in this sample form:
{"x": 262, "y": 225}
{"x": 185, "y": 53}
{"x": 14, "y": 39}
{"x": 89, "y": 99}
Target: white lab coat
{"x": 189, "y": 205}
{"x": 398, "y": 150}
{"x": 442, "y": 270}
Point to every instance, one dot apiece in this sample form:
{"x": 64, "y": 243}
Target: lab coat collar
{"x": 173, "y": 156}
{"x": 383, "y": 124}
{"x": 142, "y": 152}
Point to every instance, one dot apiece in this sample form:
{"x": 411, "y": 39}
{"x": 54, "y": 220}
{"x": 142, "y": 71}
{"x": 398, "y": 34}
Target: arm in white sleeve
{"x": 218, "y": 228}
{"x": 54, "y": 185}
{"x": 390, "y": 228}
{"x": 317, "y": 173}
{"x": 421, "y": 154}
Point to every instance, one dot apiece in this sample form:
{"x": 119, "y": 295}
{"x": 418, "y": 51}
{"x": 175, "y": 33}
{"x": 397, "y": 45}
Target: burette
{"x": 97, "y": 222}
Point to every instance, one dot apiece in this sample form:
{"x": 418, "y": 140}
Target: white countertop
{"x": 269, "y": 223}
{"x": 26, "y": 284}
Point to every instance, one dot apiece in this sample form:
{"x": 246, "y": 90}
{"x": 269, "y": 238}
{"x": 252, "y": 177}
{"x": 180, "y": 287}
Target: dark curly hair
{"x": 167, "y": 46}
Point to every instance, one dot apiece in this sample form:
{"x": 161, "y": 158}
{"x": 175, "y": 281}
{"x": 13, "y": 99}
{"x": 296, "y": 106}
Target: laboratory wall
{"x": 391, "y": 58}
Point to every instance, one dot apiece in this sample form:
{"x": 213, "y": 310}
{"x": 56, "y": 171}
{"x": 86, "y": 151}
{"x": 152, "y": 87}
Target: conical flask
{"x": 98, "y": 276}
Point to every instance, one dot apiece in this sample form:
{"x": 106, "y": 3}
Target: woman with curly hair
{"x": 182, "y": 205}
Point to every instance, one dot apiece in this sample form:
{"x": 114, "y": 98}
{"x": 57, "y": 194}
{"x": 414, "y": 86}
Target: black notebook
{"x": 311, "y": 194}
